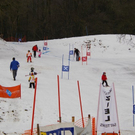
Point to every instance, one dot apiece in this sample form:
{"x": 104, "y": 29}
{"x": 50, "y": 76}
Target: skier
{"x": 39, "y": 53}
{"x": 35, "y": 48}
{"x": 32, "y": 81}
{"x": 14, "y": 67}
{"x": 77, "y": 52}
{"x": 32, "y": 71}
{"x": 29, "y": 55}
{"x": 104, "y": 79}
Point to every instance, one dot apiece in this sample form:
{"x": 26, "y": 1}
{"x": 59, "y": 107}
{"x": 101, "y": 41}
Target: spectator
{"x": 14, "y": 67}
{"x": 77, "y": 52}
{"x": 35, "y": 48}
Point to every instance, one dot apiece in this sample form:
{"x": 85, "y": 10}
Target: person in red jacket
{"x": 104, "y": 79}
{"x": 34, "y": 49}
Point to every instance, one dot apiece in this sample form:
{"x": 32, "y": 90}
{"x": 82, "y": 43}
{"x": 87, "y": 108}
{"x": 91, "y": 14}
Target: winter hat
{"x": 32, "y": 68}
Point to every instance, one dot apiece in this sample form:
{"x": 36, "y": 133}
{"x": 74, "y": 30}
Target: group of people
{"x": 14, "y": 65}
{"x": 35, "y": 50}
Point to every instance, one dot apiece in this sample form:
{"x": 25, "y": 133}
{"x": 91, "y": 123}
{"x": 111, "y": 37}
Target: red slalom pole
{"x": 80, "y": 103}
{"x": 59, "y": 99}
{"x": 34, "y": 107}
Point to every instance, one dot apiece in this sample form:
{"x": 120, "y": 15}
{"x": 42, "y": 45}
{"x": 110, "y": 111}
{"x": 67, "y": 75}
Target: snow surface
{"x": 115, "y": 58}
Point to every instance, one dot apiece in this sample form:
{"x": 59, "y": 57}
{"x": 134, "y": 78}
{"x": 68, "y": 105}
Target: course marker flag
{"x": 65, "y": 68}
{"x": 107, "y": 114}
{"x": 10, "y": 92}
{"x": 133, "y": 105}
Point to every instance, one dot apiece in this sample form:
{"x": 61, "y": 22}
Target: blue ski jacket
{"x": 14, "y": 65}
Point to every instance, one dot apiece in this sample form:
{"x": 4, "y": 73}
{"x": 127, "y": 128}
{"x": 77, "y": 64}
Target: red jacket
{"x": 35, "y": 48}
{"x": 104, "y": 78}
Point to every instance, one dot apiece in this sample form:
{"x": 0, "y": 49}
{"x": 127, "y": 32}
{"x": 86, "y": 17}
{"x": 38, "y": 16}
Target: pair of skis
{"x": 36, "y": 74}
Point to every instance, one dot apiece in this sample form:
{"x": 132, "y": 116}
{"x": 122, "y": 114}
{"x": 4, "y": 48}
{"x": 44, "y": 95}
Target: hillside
{"x": 107, "y": 54}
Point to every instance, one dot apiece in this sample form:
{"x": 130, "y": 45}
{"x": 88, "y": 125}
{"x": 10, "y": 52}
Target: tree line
{"x": 54, "y": 19}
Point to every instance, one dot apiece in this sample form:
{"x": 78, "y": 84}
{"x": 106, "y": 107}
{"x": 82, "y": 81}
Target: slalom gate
{"x": 83, "y": 54}
{"x": 45, "y": 46}
{"x": 71, "y": 51}
{"x": 133, "y": 105}
{"x": 65, "y": 68}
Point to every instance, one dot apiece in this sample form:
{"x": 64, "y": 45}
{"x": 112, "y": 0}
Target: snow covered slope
{"x": 107, "y": 54}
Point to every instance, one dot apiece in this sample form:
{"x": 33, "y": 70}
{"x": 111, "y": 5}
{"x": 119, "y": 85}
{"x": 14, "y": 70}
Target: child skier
{"x": 32, "y": 81}
{"x": 104, "y": 79}
{"x": 29, "y": 55}
{"x": 39, "y": 53}
{"x": 32, "y": 71}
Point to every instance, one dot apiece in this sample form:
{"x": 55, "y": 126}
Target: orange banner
{"x": 10, "y": 92}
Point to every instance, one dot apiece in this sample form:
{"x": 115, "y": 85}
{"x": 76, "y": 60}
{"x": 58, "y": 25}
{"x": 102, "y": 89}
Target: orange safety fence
{"x": 109, "y": 134}
{"x": 79, "y": 122}
{"x": 28, "y": 132}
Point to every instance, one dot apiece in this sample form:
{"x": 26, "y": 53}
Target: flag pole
{"x": 59, "y": 98}
{"x": 34, "y": 107}
{"x": 80, "y": 103}
{"x": 133, "y": 102}
{"x": 62, "y": 66}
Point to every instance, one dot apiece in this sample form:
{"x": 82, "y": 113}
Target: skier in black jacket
{"x": 77, "y": 52}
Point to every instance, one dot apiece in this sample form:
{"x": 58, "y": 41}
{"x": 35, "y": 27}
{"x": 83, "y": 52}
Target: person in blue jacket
{"x": 14, "y": 67}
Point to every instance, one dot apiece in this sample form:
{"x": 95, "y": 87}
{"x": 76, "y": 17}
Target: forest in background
{"x": 37, "y": 19}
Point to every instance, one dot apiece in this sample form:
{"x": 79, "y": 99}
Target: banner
{"x": 67, "y": 128}
{"x": 10, "y": 92}
{"x": 107, "y": 116}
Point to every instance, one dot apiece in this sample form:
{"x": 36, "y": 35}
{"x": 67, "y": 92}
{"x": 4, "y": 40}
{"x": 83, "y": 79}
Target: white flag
{"x": 107, "y": 116}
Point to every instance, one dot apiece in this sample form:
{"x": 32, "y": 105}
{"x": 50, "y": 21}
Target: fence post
{"x": 73, "y": 119}
{"x": 38, "y": 130}
{"x": 89, "y": 116}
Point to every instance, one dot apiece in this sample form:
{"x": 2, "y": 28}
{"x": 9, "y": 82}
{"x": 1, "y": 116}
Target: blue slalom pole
{"x": 62, "y": 65}
{"x": 69, "y": 66}
{"x": 69, "y": 51}
{"x": 133, "y": 102}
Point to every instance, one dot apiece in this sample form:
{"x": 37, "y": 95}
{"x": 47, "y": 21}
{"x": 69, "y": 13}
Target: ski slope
{"x": 115, "y": 58}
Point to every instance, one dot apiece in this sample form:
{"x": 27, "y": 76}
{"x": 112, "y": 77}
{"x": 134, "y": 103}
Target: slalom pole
{"x": 133, "y": 102}
{"x": 86, "y": 54}
{"x": 69, "y": 66}
{"x": 20, "y": 92}
{"x": 73, "y": 51}
{"x": 80, "y": 103}
{"x": 82, "y": 53}
{"x": 59, "y": 99}
{"x": 62, "y": 65}
{"x": 34, "y": 107}
{"x": 86, "y": 50}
